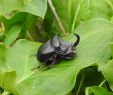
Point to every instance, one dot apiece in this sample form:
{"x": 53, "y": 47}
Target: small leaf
{"x": 95, "y": 90}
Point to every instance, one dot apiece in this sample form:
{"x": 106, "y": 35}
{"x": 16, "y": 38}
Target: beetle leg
{"x": 68, "y": 57}
{"x": 50, "y": 65}
{"x": 53, "y": 57}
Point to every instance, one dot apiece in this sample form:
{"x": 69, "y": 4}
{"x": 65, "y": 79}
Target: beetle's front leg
{"x": 53, "y": 59}
{"x": 66, "y": 57}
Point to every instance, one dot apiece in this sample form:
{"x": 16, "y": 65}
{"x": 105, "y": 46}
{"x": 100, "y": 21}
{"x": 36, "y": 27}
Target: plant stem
{"x": 6, "y": 93}
{"x": 56, "y": 16}
{"x": 101, "y": 84}
{"x": 75, "y": 17}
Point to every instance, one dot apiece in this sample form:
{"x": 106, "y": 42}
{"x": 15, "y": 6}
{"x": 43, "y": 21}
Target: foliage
{"x": 26, "y": 24}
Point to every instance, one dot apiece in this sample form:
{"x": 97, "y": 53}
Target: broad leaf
{"x": 61, "y": 78}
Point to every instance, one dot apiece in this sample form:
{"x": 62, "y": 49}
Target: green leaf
{"x": 95, "y": 90}
{"x": 9, "y": 62}
{"x": 7, "y": 74}
{"x": 107, "y": 71}
{"x": 12, "y": 34}
{"x": 67, "y": 12}
{"x": 9, "y": 8}
{"x": 96, "y": 8}
{"x": 61, "y": 78}
{"x": 75, "y": 12}
{"x": 17, "y": 19}
{"x": 86, "y": 78}
{"x": 36, "y": 7}
{"x": 111, "y": 44}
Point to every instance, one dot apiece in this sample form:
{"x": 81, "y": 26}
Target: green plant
{"x": 26, "y": 24}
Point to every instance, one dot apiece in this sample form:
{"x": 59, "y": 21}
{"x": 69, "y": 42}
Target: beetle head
{"x": 64, "y": 49}
{"x": 71, "y": 50}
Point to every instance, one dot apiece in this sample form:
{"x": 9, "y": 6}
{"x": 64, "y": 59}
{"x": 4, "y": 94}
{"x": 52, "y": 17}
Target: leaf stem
{"x": 56, "y": 16}
{"x": 75, "y": 17}
{"x": 101, "y": 84}
{"x": 6, "y": 93}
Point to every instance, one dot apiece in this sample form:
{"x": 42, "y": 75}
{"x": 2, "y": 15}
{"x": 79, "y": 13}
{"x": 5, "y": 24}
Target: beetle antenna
{"x": 78, "y": 39}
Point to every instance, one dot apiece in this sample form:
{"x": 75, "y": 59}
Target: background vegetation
{"x": 26, "y": 24}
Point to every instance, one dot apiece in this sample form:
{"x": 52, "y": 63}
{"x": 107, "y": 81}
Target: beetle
{"x": 56, "y": 49}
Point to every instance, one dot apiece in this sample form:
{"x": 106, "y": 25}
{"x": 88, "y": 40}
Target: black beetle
{"x": 56, "y": 49}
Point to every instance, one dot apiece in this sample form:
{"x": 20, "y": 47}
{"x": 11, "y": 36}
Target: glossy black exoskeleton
{"x": 56, "y": 49}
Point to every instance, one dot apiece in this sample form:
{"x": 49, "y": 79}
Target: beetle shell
{"x": 56, "y": 49}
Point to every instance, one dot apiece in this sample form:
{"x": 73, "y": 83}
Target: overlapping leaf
{"x": 96, "y": 34}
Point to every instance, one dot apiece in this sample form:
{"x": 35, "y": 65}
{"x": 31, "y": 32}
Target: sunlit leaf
{"x": 61, "y": 78}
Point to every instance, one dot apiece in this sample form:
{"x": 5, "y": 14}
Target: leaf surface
{"x": 96, "y": 34}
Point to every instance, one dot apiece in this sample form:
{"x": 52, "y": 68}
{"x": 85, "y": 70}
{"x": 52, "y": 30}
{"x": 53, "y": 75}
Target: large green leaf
{"x": 59, "y": 80}
{"x": 96, "y": 34}
{"x": 95, "y": 90}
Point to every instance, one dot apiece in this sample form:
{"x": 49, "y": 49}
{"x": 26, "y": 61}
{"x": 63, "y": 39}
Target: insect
{"x": 56, "y": 49}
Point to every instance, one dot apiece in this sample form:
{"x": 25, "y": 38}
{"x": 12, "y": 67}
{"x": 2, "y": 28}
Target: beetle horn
{"x": 77, "y": 41}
